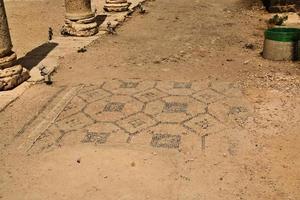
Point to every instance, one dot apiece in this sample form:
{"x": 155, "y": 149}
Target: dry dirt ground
{"x": 172, "y": 107}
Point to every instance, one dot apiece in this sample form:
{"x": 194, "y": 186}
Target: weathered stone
{"x": 10, "y": 76}
{"x": 11, "y": 82}
{"x": 8, "y": 60}
{"x": 80, "y": 19}
{"x": 116, "y": 1}
{"x": 1, "y": 85}
{"x": 69, "y": 30}
{"x": 82, "y": 27}
{"x": 116, "y": 5}
{"x": 86, "y": 21}
{"x": 280, "y": 9}
{"x": 5, "y": 44}
{"x": 10, "y": 71}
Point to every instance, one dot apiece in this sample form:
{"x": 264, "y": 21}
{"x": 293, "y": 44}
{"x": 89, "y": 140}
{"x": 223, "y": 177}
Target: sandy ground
{"x": 177, "y": 41}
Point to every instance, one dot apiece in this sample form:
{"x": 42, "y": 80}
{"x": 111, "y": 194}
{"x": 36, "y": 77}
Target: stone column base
{"x": 12, "y": 76}
{"x": 116, "y": 5}
{"x": 80, "y": 28}
{"x": 8, "y": 60}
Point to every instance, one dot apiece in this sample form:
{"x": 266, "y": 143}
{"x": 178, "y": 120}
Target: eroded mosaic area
{"x": 160, "y": 114}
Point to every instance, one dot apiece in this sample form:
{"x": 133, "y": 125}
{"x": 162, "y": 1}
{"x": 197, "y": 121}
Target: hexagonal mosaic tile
{"x": 208, "y": 96}
{"x": 94, "y": 95}
{"x": 74, "y": 122}
{"x": 113, "y": 108}
{"x": 136, "y": 123}
{"x": 205, "y": 124}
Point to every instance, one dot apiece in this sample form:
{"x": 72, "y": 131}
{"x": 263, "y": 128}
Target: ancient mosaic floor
{"x": 159, "y": 114}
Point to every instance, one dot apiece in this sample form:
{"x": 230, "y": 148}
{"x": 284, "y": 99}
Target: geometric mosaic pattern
{"x": 161, "y": 114}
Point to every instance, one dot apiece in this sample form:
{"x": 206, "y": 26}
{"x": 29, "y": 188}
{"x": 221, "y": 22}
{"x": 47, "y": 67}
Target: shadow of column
{"x": 35, "y": 56}
{"x": 100, "y": 19}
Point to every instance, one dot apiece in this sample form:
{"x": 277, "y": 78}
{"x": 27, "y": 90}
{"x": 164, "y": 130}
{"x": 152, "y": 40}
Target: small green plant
{"x": 277, "y": 20}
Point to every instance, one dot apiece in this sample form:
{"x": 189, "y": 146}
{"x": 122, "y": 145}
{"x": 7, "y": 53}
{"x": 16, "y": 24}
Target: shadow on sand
{"x": 35, "y": 56}
{"x": 100, "y": 19}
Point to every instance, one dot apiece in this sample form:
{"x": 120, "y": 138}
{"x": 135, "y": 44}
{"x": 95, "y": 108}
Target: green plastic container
{"x": 282, "y": 44}
{"x": 283, "y": 34}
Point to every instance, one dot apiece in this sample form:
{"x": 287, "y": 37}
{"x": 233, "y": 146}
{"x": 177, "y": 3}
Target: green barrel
{"x": 282, "y": 44}
{"x": 283, "y": 34}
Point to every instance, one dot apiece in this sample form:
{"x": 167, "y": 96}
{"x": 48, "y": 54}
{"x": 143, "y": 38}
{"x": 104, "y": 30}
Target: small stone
{"x": 182, "y": 52}
{"x": 249, "y": 46}
{"x": 189, "y": 160}
{"x": 132, "y": 164}
{"x": 141, "y": 9}
{"x": 165, "y": 69}
{"x": 156, "y": 61}
{"x": 78, "y": 160}
{"x": 82, "y": 50}
{"x": 246, "y": 62}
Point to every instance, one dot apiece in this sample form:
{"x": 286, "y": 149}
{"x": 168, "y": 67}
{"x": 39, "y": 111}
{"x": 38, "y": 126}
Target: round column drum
{"x": 5, "y": 40}
{"x": 78, "y": 9}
